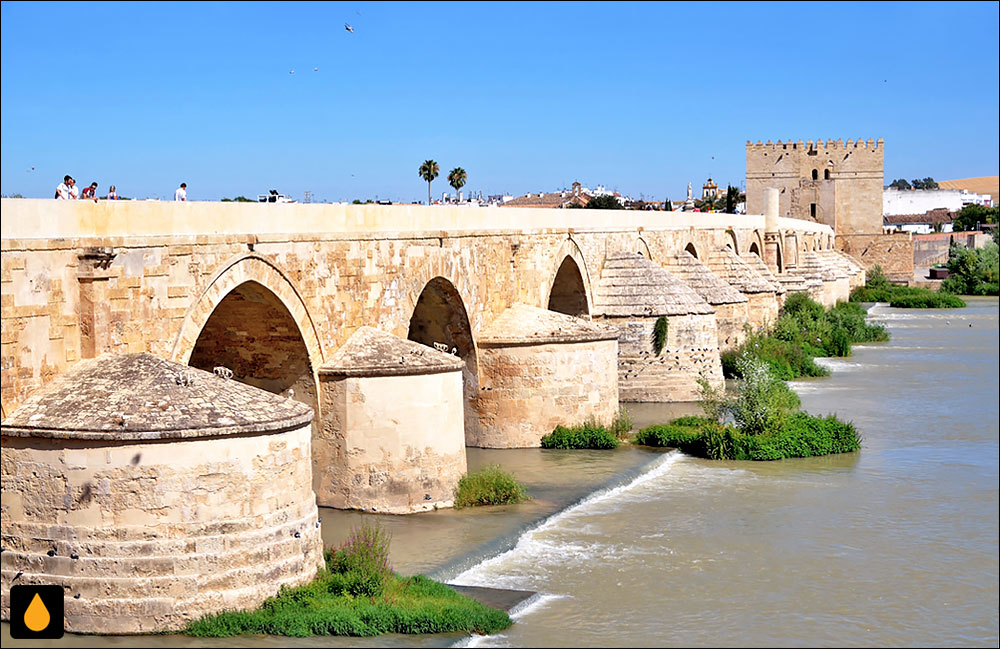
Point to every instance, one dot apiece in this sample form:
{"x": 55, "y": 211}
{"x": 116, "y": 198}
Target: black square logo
{"x": 36, "y": 612}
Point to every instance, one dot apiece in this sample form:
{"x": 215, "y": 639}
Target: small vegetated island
{"x": 357, "y": 594}
{"x": 761, "y": 419}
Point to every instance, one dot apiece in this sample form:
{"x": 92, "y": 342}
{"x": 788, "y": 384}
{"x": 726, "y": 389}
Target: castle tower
{"x": 829, "y": 182}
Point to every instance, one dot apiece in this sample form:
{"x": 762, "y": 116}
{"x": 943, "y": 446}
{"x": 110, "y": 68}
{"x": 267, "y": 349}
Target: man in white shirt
{"x": 181, "y": 193}
{"x": 67, "y": 190}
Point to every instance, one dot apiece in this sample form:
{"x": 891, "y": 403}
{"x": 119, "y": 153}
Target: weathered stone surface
{"x": 730, "y": 305}
{"x": 141, "y": 397}
{"x": 393, "y": 438}
{"x": 541, "y": 369}
{"x": 156, "y": 521}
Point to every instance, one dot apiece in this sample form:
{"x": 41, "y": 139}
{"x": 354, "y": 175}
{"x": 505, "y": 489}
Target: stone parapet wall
{"x": 691, "y": 352}
{"x": 392, "y": 444}
{"x": 893, "y": 252}
{"x": 151, "y": 535}
{"x": 528, "y": 390}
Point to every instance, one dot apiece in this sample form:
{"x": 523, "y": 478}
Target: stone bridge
{"x": 323, "y": 303}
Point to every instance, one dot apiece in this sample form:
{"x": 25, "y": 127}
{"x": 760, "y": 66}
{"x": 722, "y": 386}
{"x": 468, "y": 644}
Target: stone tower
{"x": 830, "y": 182}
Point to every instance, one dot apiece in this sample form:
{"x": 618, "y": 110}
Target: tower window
{"x": 812, "y": 210}
{"x": 815, "y": 174}
{"x": 826, "y": 174}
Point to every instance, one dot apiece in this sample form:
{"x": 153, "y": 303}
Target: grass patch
{"x": 589, "y": 435}
{"x": 490, "y": 485}
{"x": 340, "y": 601}
{"x": 878, "y": 289}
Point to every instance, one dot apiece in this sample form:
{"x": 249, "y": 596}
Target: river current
{"x": 894, "y": 545}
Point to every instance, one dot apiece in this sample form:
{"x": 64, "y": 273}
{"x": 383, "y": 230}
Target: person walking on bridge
{"x": 181, "y": 193}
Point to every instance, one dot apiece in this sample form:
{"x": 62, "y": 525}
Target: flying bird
{"x": 315, "y": 69}
{"x": 348, "y": 28}
{"x": 291, "y": 72}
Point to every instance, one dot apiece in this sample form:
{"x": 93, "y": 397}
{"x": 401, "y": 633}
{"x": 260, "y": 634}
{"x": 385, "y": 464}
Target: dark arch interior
{"x": 252, "y": 333}
{"x": 777, "y": 258}
{"x": 440, "y": 317}
{"x": 732, "y": 241}
{"x": 690, "y": 248}
{"x": 569, "y": 295}
{"x": 754, "y": 249}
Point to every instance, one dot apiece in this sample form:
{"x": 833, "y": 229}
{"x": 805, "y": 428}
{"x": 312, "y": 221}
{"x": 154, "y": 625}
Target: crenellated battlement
{"x": 827, "y": 145}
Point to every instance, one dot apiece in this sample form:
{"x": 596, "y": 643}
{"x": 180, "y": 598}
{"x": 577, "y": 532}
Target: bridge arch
{"x": 691, "y": 249}
{"x": 732, "y": 242}
{"x": 439, "y": 316}
{"x": 755, "y": 249}
{"x": 251, "y": 319}
{"x": 570, "y": 291}
{"x": 642, "y": 247}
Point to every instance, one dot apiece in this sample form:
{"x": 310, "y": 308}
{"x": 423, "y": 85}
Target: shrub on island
{"x": 357, "y": 594}
{"x": 803, "y": 332}
{"x": 490, "y": 485}
{"x": 761, "y": 423}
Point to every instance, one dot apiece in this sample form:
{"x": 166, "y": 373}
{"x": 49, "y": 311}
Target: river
{"x": 894, "y": 545}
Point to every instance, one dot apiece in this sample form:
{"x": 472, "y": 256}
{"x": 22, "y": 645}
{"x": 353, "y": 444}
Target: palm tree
{"x": 429, "y": 171}
{"x": 457, "y": 178}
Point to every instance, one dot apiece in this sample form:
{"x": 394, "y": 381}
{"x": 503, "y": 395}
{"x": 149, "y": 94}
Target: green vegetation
{"x": 660, "y": 334}
{"x": 803, "y": 332}
{"x": 587, "y": 435}
{"x": 457, "y": 178}
{"x": 916, "y": 183}
{"x": 490, "y": 485}
{"x": 428, "y": 171}
{"x": 878, "y": 288}
{"x": 973, "y": 216}
{"x": 760, "y": 422}
{"x": 973, "y": 272}
{"x": 238, "y": 199}
{"x": 604, "y": 203}
{"x": 357, "y": 594}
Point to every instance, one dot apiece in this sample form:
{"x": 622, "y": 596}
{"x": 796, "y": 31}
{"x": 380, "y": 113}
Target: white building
{"x": 919, "y": 201}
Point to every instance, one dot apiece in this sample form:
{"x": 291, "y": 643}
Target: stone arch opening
{"x": 779, "y": 262}
{"x": 815, "y": 174}
{"x": 694, "y": 251}
{"x": 826, "y": 174}
{"x": 569, "y": 293}
{"x": 755, "y": 249}
{"x": 732, "y": 242}
{"x": 252, "y": 333}
{"x": 439, "y": 316}
{"x": 642, "y": 248}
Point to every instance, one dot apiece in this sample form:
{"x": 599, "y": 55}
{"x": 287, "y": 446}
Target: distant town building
{"x": 920, "y": 201}
{"x": 709, "y": 190}
{"x": 830, "y": 182}
{"x": 935, "y": 220}
{"x": 579, "y": 196}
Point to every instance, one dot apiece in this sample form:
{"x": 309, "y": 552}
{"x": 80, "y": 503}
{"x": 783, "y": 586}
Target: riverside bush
{"x": 490, "y": 485}
{"x": 588, "y": 435}
{"x": 758, "y": 423}
{"x": 328, "y": 606}
{"x": 803, "y": 332}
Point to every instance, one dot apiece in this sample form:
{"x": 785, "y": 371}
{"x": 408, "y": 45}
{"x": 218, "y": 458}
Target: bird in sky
{"x": 315, "y": 69}
{"x": 291, "y": 72}
{"x": 348, "y": 28}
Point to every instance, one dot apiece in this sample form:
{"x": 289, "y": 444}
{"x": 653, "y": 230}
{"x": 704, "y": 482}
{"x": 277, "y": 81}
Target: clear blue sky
{"x": 526, "y": 97}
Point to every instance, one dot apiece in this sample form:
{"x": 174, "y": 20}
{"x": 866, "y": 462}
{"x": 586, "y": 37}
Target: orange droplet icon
{"x": 36, "y": 617}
